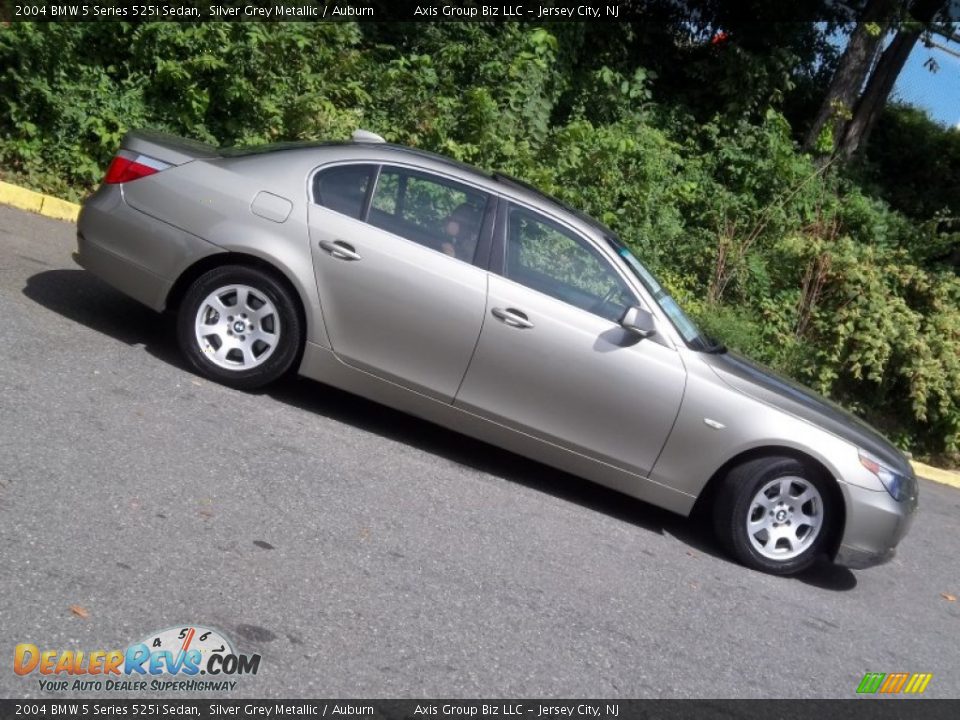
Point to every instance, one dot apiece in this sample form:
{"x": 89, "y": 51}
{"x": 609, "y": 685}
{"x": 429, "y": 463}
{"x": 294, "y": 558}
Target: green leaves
{"x": 780, "y": 258}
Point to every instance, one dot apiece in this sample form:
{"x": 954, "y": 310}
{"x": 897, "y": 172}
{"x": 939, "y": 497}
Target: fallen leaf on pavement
{"x": 80, "y": 611}
{"x": 948, "y": 597}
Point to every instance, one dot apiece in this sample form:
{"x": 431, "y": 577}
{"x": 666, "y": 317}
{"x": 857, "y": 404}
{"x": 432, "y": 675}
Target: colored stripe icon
{"x": 892, "y": 683}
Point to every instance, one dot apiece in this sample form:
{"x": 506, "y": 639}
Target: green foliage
{"x": 781, "y": 258}
{"x": 71, "y": 90}
{"x": 914, "y": 164}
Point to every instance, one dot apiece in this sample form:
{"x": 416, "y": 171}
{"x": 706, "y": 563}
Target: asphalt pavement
{"x": 364, "y": 553}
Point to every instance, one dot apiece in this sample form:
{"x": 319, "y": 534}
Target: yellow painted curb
{"x": 35, "y": 202}
{"x": 947, "y": 477}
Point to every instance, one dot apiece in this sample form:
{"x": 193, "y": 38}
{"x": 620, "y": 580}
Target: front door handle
{"x": 512, "y": 317}
{"x": 339, "y": 249}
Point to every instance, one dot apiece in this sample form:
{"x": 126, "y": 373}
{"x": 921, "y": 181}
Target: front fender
{"x": 717, "y": 423}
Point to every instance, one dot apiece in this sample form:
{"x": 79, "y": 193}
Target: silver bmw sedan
{"x": 478, "y": 303}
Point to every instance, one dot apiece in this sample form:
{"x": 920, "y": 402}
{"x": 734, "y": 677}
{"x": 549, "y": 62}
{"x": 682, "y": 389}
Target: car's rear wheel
{"x": 774, "y": 514}
{"x": 239, "y": 326}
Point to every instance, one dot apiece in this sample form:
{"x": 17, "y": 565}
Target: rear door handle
{"x": 339, "y": 249}
{"x": 512, "y": 317}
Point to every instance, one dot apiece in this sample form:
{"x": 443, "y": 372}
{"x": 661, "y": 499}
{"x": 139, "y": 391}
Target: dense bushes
{"x": 783, "y": 259}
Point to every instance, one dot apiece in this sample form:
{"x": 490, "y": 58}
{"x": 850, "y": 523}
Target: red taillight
{"x": 124, "y": 169}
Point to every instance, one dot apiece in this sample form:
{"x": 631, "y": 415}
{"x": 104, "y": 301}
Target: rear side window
{"x": 436, "y": 212}
{"x": 343, "y": 189}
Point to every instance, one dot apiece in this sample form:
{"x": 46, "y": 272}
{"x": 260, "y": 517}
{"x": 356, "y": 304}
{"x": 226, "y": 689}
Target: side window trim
{"x": 368, "y": 198}
{"x": 497, "y": 262}
{"x": 486, "y": 243}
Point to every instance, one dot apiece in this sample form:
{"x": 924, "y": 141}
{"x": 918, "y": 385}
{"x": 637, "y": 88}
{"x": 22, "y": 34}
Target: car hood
{"x": 767, "y": 386}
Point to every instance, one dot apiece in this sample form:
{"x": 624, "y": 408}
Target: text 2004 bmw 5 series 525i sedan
{"x": 480, "y": 304}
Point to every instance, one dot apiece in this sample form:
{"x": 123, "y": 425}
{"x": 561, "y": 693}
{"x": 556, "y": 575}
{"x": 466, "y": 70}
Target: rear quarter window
{"x": 343, "y": 188}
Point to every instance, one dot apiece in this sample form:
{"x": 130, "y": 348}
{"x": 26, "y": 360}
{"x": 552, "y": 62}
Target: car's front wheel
{"x": 239, "y": 326}
{"x": 774, "y": 514}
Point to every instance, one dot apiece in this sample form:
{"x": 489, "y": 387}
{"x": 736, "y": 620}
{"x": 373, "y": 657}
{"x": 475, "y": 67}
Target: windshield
{"x": 684, "y": 325}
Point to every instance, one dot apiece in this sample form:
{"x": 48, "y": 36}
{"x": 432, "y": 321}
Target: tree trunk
{"x": 856, "y": 131}
{"x": 874, "y": 98}
{"x": 852, "y": 71}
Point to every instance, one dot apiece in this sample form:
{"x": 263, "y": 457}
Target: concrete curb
{"x": 946, "y": 477}
{"x": 35, "y": 202}
{"x": 52, "y": 207}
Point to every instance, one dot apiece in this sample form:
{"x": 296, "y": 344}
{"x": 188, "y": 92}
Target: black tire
{"x": 735, "y": 503}
{"x": 286, "y": 320}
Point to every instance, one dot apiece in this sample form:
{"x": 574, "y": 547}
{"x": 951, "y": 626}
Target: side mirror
{"x": 639, "y": 321}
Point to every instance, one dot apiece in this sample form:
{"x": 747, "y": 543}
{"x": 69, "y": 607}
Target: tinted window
{"x": 343, "y": 188}
{"x": 548, "y": 258}
{"x": 438, "y": 213}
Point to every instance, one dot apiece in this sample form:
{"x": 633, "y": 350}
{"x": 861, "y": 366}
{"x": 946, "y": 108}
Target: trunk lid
{"x": 168, "y": 148}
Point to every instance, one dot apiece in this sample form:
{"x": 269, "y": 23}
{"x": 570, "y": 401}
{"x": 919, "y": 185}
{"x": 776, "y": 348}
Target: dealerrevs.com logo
{"x": 191, "y": 658}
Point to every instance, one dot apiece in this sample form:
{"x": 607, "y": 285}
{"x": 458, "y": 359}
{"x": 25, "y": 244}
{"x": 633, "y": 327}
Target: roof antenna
{"x": 366, "y": 136}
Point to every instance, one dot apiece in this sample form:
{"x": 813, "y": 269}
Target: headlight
{"x": 901, "y": 487}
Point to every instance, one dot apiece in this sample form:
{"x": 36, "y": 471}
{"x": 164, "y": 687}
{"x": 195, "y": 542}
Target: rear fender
{"x": 290, "y": 258}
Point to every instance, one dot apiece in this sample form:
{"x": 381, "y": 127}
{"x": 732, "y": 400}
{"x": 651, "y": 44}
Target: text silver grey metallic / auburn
{"x": 478, "y": 303}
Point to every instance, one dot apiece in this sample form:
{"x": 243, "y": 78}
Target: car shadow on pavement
{"x": 695, "y": 532}
{"x": 81, "y": 297}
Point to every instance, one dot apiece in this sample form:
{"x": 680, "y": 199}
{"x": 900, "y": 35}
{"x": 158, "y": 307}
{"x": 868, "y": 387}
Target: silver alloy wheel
{"x": 237, "y": 327}
{"x": 785, "y": 517}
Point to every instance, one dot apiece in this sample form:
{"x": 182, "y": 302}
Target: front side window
{"x": 440, "y": 214}
{"x": 551, "y": 259}
{"x": 343, "y": 188}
